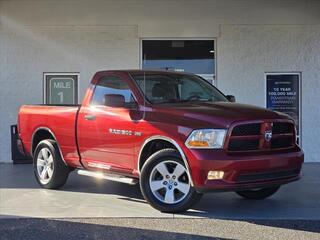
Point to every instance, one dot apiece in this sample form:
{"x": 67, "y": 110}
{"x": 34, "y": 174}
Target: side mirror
{"x": 231, "y": 98}
{"x": 114, "y": 100}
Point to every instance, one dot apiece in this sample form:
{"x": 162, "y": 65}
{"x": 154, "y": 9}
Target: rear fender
{"x": 33, "y": 147}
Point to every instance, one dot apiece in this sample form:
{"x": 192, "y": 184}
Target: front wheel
{"x": 257, "y": 194}
{"x": 165, "y": 183}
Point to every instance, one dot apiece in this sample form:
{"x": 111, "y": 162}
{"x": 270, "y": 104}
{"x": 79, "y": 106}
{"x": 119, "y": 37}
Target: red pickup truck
{"x": 174, "y": 133}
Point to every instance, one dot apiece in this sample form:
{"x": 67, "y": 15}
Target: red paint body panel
{"x": 59, "y": 120}
{"x": 96, "y": 144}
{"x": 233, "y": 166}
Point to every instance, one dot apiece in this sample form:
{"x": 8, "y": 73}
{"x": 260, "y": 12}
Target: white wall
{"x": 254, "y": 50}
{"x": 253, "y": 37}
{"x": 27, "y": 52}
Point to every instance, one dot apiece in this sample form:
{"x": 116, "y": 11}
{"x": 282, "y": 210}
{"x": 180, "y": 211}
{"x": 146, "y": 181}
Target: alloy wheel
{"x": 169, "y": 182}
{"x": 45, "y": 165}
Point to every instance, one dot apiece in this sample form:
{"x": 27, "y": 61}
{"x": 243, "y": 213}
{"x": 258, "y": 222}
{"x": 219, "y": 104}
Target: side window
{"x": 111, "y": 85}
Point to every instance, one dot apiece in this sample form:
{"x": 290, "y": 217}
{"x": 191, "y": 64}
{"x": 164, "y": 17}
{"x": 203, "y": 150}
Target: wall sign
{"x": 61, "y": 88}
{"x": 283, "y": 95}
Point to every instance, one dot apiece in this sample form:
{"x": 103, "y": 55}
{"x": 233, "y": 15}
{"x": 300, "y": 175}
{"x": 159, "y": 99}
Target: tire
{"x": 259, "y": 193}
{"x": 166, "y": 191}
{"x": 47, "y": 156}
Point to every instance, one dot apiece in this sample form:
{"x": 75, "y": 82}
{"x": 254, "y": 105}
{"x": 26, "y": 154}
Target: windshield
{"x": 167, "y": 88}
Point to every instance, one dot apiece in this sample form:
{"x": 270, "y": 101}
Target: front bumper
{"x": 242, "y": 171}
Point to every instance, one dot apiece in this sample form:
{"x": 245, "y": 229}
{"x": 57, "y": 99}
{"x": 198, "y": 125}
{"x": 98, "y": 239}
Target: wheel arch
{"x": 147, "y": 143}
{"x": 43, "y": 133}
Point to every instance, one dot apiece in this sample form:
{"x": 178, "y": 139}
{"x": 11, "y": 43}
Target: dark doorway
{"x": 195, "y": 56}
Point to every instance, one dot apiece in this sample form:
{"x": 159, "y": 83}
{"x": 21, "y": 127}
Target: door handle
{"x": 90, "y": 117}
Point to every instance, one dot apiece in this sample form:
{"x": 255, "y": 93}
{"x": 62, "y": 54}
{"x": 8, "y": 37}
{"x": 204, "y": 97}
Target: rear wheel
{"x": 165, "y": 183}
{"x": 49, "y": 168}
{"x": 257, "y": 194}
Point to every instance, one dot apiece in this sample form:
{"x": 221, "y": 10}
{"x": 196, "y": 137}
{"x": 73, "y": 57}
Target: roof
{"x": 142, "y": 71}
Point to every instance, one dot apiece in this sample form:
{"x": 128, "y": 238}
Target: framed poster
{"x": 283, "y": 94}
{"x": 61, "y": 88}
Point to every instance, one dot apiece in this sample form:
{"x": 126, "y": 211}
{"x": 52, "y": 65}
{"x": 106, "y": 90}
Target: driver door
{"x": 106, "y": 133}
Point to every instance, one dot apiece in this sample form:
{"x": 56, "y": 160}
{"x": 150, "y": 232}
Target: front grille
{"x": 243, "y": 145}
{"x": 282, "y": 127}
{"x": 246, "y": 129}
{"x": 263, "y": 176}
{"x": 253, "y": 137}
{"x": 281, "y": 142}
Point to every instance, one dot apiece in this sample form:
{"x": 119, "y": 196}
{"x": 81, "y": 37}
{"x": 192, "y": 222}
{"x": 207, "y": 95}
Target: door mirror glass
{"x": 231, "y": 98}
{"x": 132, "y": 105}
{"x": 114, "y": 100}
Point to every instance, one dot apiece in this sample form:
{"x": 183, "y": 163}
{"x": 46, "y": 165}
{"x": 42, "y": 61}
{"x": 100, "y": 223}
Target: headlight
{"x": 206, "y": 138}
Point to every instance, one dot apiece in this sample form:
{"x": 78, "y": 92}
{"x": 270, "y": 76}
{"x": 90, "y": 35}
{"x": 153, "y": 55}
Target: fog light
{"x": 213, "y": 175}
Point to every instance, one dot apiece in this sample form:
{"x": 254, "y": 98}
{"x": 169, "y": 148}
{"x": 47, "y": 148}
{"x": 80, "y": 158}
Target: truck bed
{"x": 59, "y": 120}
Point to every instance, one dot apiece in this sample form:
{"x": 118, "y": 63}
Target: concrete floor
{"x": 84, "y": 197}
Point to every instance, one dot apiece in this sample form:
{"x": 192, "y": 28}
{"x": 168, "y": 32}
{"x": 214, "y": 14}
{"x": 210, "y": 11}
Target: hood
{"x": 219, "y": 114}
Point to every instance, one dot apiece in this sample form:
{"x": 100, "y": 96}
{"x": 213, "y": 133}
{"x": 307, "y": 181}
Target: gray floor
{"x": 84, "y": 197}
{"x": 87, "y": 208}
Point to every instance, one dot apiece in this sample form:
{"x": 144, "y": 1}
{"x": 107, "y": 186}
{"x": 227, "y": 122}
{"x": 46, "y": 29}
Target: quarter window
{"x": 111, "y": 85}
